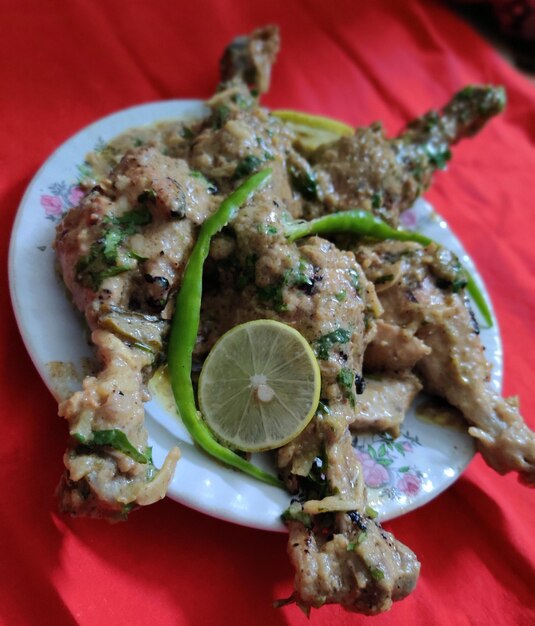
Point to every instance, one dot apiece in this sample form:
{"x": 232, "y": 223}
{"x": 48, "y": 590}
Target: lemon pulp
{"x": 259, "y": 386}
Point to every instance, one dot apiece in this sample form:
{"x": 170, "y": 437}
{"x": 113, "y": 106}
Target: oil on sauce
{"x": 437, "y": 411}
{"x": 160, "y": 387}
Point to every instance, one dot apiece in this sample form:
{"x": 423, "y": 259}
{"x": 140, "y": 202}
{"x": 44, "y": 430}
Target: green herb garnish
{"x": 220, "y": 116}
{"x": 246, "y": 166}
{"x": 352, "y": 545}
{"x": 345, "y": 379}
{"x": 101, "y": 261}
{"x": 377, "y": 573}
{"x": 304, "y": 182}
{"x": 324, "y": 344}
{"x": 341, "y": 295}
{"x": 116, "y": 439}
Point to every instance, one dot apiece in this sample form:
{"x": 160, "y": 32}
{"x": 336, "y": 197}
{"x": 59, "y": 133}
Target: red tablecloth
{"x": 64, "y": 64}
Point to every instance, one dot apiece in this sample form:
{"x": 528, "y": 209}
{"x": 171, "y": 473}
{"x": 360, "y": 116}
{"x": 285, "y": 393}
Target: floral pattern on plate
{"x": 62, "y": 196}
{"x": 386, "y": 463}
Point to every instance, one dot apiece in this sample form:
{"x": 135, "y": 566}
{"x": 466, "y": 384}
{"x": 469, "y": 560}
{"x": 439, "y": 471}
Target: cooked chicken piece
{"x": 339, "y": 553}
{"x": 369, "y": 171}
{"x": 457, "y": 370}
{"x": 122, "y": 252}
{"x": 394, "y": 349}
{"x": 360, "y": 566}
{"x": 384, "y": 402}
{"x": 429, "y": 301}
{"x": 109, "y": 479}
{"x": 249, "y": 58}
{"x": 127, "y": 243}
{"x": 239, "y": 138}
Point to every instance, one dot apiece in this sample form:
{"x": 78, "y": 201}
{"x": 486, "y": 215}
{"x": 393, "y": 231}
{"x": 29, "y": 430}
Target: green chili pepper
{"x": 366, "y": 224}
{"x": 355, "y": 221}
{"x": 478, "y": 298}
{"x": 185, "y": 326}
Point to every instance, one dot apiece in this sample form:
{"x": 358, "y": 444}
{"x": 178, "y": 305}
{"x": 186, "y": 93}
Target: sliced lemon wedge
{"x": 259, "y": 386}
{"x": 313, "y": 130}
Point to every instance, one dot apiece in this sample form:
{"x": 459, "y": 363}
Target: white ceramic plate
{"x": 401, "y": 475}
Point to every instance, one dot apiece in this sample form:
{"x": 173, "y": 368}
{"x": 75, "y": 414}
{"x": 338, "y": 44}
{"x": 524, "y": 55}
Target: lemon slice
{"x": 259, "y": 386}
{"x": 313, "y": 130}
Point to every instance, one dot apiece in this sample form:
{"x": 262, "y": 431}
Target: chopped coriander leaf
{"x": 141, "y": 216}
{"x": 377, "y": 573}
{"x": 101, "y": 261}
{"x": 304, "y": 182}
{"x": 112, "y": 271}
{"x": 241, "y": 101}
{"x": 186, "y": 132}
{"x": 266, "y": 229}
{"x": 354, "y": 278}
{"x": 448, "y": 271}
{"x": 352, "y": 545}
{"x": 211, "y": 188}
{"x": 315, "y": 484}
{"x": 465, "y": 93}
{"x": 247, "y": 166}
{"x": 220, "y": 116}
{"x": 301, "y": 277}
{"x": 377, "y": 200}
{"x": 341, "y": 295}
{"x": 438, "y": 156}
{"x": 111, "y": 240}
{"x": 274, "y": 294}
{"x": 151, "y": 470}
{"x": 324, "y": 344}
{"x": 116, "y": 439}
{"x": 94, "y": 268}
{"x": 345, "y": 379}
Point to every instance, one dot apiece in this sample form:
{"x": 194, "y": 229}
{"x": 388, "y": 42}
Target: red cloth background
{"x": 64, "y": 64}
